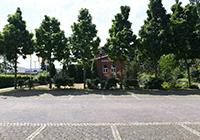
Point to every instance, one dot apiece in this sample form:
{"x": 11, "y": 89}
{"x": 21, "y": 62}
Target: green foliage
{"x": 154, "y": 83}
{"x": 93, "y": 84}
{"x": 112, "y": 82}
{"x": 88, "y": 73}
{"x": 121, "y": 40}
{"x": 84, "y": 40}
{"x": 131, "y": 83}
{"x": 185, "y": 35}
{"x": 103, "y": 84}
{"x": 44, "y": 67}
{"x": 6, "y": 81}
{"x": 166, "y": 85}
{"x": 30, "y": 83}
{"x": 72, "y": 70}
{"x": 79, "y": 74}
{"x": 166, "y": 65}
{"x": 149, "y": 82}
{"x": 194, "y": 86}
{"x": 132, "y": 70}
{"x": 51, "y": 42}
{"x": 143, "y": 79}
{"x": 20, "y": 82}
{"x": 195, "y": 76}
{"x": 17, "y": 39}
{"x": 60, "y": 80}
{"x": 155, "y": 34}
{"x": 94, "y": 69}
{"x": 42, "y": 78}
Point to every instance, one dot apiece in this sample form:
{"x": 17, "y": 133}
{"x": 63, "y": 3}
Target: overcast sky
{"x": 66, "y": 11}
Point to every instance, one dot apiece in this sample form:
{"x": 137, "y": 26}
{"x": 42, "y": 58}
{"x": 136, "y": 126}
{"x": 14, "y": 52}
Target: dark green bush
{"x": 20, "y": 82}
{"x": 93, "y": 84}
{"x": 112, "y": 82}
{"x": 30, "y": 83}
{"x": 103, "y": 84}
{"x": 6, "y": 81}
{"x": 60, "y": 80}
{"x": 195, "y": 75}
{"x": 194, "y": 86}
{"x": 131, "y": 83}
{"x": 154, "y": 83}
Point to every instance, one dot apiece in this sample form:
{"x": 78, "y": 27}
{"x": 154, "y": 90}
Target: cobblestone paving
{"x": 111, "y": 131}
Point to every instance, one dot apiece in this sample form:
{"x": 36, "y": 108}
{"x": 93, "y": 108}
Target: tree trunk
{"x": 121, "y": 78}
{"x": 84, "y": 73}
{"x": 156, "y": 68}
{"x": 188, "y": 71}
{"x": 15, "y": 81}
{"x": 50, "y": 85}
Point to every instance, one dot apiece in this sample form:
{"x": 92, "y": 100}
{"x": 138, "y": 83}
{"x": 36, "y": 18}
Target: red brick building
{"x": 108, "y": 66}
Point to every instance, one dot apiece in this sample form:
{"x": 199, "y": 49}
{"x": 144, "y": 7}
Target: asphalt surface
{"x": 100, "y": 115}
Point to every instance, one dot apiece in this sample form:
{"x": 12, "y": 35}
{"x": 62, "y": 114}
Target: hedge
{"x": 8, "y": 80}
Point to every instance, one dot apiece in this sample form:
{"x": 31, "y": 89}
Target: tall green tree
{"x": 51, "y": 41}
{"x": 185, "y": 34}
{"x": 121, "y": 39}
{"x": 17, "y": 40}
{"x": 84, "y": 40}
{"x": 155, "y": 34}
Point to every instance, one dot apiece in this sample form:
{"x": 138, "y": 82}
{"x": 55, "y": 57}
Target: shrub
{"x": 96, "y": 81}
{"x": 131, "y": 83}
{"x": 30, "y": 83}
{"x": 93, "y": 84}
{"x": 194, "y": 86}
{"x": 178, "y": 86}
{"x": 185, "y": 85}
{"x": 144, "y": 79}
{"x": 155, "y": 83}
{"x": 89, "y": 84}
{"x": 20, "y": 82}
{"x": 195, "y": 75}
{"x": 6, "y": 81}
{"x": 166, "y": 85}
{"x": 103, "y": 84}
{"x": 42, "y": 78}
{"x": 112, "y": 82}
{"x": 60, "y": 80}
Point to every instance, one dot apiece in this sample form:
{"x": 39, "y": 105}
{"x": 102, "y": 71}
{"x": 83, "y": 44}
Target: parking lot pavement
{"x": 99, "y": 115}
{"x": 113, "y": 131}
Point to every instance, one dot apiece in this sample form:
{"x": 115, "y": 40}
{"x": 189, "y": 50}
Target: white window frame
{"x": 113, "y": 68}
{"x": 105, "y": 70}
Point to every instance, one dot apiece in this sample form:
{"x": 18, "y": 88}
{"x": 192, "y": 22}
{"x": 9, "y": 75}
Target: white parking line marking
{"x": 190, "y": 129}
{"x": 103, "y": 97}
{"x": 71, "y": 97}
{"x": 115, "y": 132}
{"x": 134, "y": 95}
{"x": 37, "y": 132}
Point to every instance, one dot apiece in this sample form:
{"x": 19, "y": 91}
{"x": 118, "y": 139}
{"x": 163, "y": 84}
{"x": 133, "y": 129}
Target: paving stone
{"x": 194, "y": 126}
{"x": 16, "y": 132}
{"x": 76, "y": 132}
{"x": 155, "y": 132}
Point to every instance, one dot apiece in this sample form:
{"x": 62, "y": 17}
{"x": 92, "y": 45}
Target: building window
{"x": 105, "y": 69}
{"x": 113, "y": 69}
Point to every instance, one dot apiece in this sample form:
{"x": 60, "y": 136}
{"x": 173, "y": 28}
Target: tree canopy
{"x": 51, "y": 42}
{"x": 17, "y": 40}
{"x": 155, "y": 33}
{"x": 121, "y": 40}
{"x": 185, "y": 34}
{"x": 84, "y": 40}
